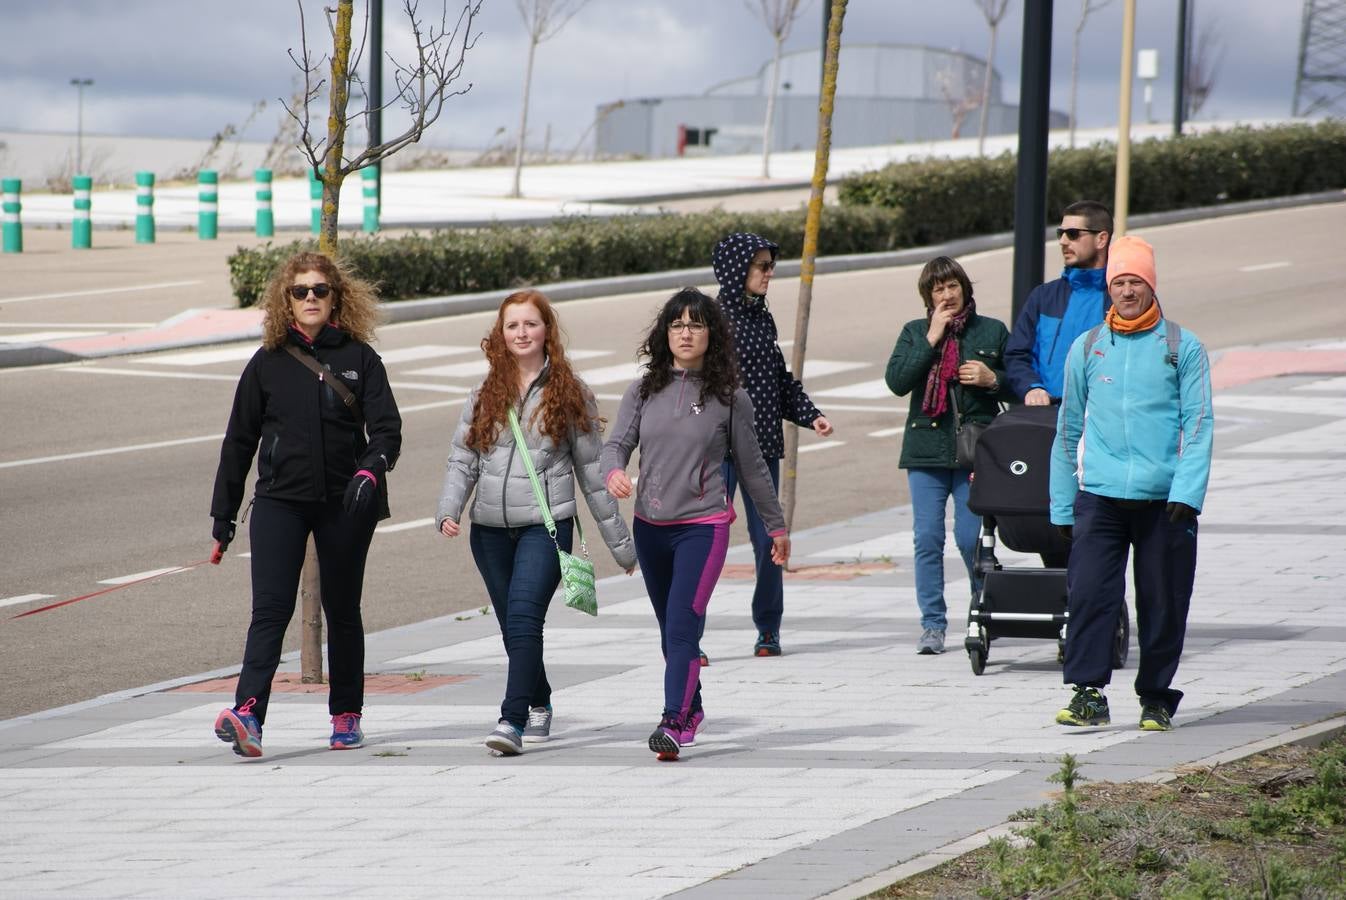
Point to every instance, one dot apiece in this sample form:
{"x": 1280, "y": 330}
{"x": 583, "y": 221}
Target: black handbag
{"x": 965, "y": 436}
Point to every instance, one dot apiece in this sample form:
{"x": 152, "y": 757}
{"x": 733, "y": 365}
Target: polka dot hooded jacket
{"x": 775, "y": 393}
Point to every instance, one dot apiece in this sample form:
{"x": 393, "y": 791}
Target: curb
{"x": 1314, "y": 735}
{"x": 482, "y": 301}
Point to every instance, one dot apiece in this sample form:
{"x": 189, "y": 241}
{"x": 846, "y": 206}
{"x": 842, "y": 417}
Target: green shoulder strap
{"x": 540, "y": 494}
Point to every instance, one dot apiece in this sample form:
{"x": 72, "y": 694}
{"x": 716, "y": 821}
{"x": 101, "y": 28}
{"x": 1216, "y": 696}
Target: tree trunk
{"x": 770, "y": 109}
{"x": 339, "y": 94}
{"x": 831, "y": 61}
{"x": 310, "y": 618}
{"x": 986, "y": 94}
{"x": 523, "y": 121}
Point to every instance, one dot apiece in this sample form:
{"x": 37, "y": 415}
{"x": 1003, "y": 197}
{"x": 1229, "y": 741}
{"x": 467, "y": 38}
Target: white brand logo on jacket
{"x": 351, "y": 375}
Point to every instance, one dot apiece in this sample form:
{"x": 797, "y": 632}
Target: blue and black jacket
{"x": 1053, "y": 316}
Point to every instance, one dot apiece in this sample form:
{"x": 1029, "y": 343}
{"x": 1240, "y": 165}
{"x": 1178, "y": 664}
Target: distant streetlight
{"x": 80, "y": 84}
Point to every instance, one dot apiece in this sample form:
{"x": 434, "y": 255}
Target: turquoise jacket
{"x": 1133, "y": 426}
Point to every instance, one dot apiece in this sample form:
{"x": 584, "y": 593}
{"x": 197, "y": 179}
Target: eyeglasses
{"x": 300, "y": 291}
{"x": 678, "y": 326}
{"x": 1074, "y": 233}
{"x": 768, "y": 265}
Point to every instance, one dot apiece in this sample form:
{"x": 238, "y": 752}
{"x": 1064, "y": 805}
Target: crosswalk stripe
{"x": 424, "y": 351}
{"x": 199, "y": 357}
{"x": 479, "y": 367}
{"x": 864, "y": 390}
{"x": 817, "y": 368}
{"x": 623, "y": 372}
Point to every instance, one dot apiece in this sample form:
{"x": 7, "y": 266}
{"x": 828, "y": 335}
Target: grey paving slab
{"x": 847, "y": 760}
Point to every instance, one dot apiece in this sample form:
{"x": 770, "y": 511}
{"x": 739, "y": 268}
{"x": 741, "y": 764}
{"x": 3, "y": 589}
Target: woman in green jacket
{"x": 950, "y": 356}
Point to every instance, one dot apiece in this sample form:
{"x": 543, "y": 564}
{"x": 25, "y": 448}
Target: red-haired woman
{"x": 529, "y": 372}
{"x": 318, "y": 473}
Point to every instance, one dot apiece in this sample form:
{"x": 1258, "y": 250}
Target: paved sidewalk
{"x": 846, "y": 757}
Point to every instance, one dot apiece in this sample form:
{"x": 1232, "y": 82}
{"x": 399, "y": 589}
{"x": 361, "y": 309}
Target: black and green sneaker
{"x": 1087, "y": 707}
{"x": 1155, "y": 717}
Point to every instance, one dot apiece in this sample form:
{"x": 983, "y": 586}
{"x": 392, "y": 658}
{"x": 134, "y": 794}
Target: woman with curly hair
{"x": 687, "y": 413}
{"x": 514, "y": 552}
{"x": 316, "y": 397}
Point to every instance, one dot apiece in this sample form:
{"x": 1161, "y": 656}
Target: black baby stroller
{"x": 1010, "y": 492}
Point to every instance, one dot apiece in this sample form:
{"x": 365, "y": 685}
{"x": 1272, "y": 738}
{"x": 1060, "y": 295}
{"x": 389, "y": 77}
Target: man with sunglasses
{"x": 1059, "y": 311}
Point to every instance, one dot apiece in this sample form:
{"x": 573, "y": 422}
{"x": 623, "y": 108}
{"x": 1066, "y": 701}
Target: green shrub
{"x": 955, "y": 198}
{"x": 503, "y": 257}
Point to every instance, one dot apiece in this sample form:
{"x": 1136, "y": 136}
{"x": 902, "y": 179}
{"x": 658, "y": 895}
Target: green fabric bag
{"x": 577, "y": 572}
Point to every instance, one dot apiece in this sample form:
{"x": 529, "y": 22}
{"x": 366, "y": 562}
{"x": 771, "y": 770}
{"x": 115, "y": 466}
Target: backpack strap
{"x": 1173, "y": 335}
{"x": 1091, "y": 339}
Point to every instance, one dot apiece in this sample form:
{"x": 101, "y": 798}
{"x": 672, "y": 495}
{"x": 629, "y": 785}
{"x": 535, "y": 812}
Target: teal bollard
{"x": 81, "y": 230}
{"x": 315, "y": 202}
{"x": 144, "y": 207}
{"x": 266, "y": 220}
{"x": 370, "y": 174}
{"x": 208, "y": 195}
{"x": 10, "y": 188}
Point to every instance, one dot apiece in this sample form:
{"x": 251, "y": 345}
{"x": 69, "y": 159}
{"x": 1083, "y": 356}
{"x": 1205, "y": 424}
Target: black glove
{"x": 223, "y": 532}
{"x": 1180, "y": 512}
{"x": 359, "y": 493}
{"x": 1067, "y": 531}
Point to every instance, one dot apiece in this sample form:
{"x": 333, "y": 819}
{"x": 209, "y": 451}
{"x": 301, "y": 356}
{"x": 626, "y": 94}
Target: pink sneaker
{"x": 687, "y": 737}
{"x": 240, "y": 728}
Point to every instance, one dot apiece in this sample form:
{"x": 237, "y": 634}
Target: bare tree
{"x": 423, "y": 86}
{"x": 1086, "y": 7}
{"x": 779, "y": 17}
{"x": 1204, "y": 66}
{"x": 993, "y": 11}
{"x": 812, "y": 222}
{"x": 544, "y": 19}
{"x": 960, "y": 96}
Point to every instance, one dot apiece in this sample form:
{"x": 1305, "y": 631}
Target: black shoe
{"x": 768, "y": 644}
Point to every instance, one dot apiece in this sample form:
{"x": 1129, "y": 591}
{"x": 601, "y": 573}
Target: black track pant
{"x": 279, "y": 531}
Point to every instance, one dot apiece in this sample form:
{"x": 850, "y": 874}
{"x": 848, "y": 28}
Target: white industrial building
{"x": 886, "y": 94}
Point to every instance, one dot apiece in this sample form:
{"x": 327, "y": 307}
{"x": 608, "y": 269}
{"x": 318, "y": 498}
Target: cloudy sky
{"x": 186, "y": 69}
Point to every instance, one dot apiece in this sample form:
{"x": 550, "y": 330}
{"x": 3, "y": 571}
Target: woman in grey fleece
{"x": 510, "y": 544}
{"x": 687, "y": 413}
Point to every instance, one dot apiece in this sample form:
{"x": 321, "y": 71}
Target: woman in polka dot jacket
{"x": 743, "y": 265}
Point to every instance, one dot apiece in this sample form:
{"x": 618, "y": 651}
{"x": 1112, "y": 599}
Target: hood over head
{"x": 730, "y": 261}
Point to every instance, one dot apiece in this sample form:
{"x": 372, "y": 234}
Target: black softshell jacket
{"x": 311, "y": 443}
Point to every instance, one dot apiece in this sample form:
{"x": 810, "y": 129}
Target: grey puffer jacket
{"x": 504, "y": 494}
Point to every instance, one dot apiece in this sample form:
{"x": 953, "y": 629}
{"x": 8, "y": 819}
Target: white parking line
{"x": 24, "y": 598}
{"x": 93, "y": 293}
{"x": 825, "y": 445}
{"x": 1263, "y": 267}
{"x": 405, "y": 526}
{"x": 127, "y": 579}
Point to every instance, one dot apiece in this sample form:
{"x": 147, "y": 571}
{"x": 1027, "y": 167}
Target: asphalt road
{"x": 77, "y": 507}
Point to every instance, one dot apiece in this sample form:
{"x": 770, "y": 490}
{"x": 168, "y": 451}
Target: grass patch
{"x": 1270, "y": 825}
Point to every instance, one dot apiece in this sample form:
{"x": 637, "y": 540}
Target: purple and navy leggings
{"x": 680, "y": 565}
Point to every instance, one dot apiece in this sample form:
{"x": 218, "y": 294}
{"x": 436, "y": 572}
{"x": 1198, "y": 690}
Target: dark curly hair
{"x": 719, "y": 370}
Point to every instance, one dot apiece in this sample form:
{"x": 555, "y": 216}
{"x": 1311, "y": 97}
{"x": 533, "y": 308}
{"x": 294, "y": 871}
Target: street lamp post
{"x": 80, "y": 84}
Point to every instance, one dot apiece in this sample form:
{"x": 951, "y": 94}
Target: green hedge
{"x": 955, "y": 198}
{"x": 456, "y": 261}
{"x": 902, "y": 205}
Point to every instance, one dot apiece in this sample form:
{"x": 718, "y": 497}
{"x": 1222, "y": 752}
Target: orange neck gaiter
{"x": 1143, "y": 322}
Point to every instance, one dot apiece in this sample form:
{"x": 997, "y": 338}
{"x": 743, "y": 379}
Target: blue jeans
{"x": 521, "y": 571}
{"x": 768, "y": 598}
{"x": 930, "y": 492}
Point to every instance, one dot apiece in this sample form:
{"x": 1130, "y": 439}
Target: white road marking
{"x": 864, "y": 390}
{"x": 41, "y": 337}
{"x": 477, "y": 368}
{"x": 93, "y": 293}
{"x": 108, "y": 451}
{"x": 127, "y": 579}
{"x": 856, "y": 407}
{"x": 24, "y": 598}
{"x": 198, "y": 376}
{"x": 887, "y": 432}
{"x": 1263, "y": 267}
{"x": 825, "y": 445}
{"x": 406, "y": 526}
{"x": 817, "y": 368}
{"x": 77, "y": 324}
{"x": 422, "y": 386}
{"x": 200, "y": 357}
{"x": 1327, "y": 385}
{"x": 424, "y": 351}
{"x": 623, "y": 372}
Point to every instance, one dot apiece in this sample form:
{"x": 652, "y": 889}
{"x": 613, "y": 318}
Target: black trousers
{"x": 1164, "y": 571}
{"x": 279, "y": 533}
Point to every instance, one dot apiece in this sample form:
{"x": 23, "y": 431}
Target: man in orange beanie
{"x": 1129, "y": 470}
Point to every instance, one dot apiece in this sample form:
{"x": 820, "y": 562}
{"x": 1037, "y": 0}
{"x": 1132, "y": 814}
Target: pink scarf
{"x": 945, "y": 369}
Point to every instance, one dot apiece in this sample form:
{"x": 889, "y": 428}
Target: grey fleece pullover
{"x": 682, "y": 444}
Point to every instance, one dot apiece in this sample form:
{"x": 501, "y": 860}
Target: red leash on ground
{"x": 214, "y": 559}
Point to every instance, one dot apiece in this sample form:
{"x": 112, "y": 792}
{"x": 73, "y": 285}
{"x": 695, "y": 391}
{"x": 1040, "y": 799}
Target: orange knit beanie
{"x": 1129, "y": 255}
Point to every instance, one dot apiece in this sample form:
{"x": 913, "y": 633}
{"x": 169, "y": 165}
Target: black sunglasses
{"x": 300, "y": 291}
{"x": 1074, "y": 233}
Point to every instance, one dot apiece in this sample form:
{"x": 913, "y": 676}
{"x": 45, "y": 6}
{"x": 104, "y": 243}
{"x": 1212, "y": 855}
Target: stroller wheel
{"x": 1121, "y": 640}
{"x": 978, "y": 660}
{"x": 978, "y": 649}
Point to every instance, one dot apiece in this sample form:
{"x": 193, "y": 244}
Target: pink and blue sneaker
{"x": 688, "y": 736}
{"x": 346, "y": 733}
{"x": 238, "y": 726}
